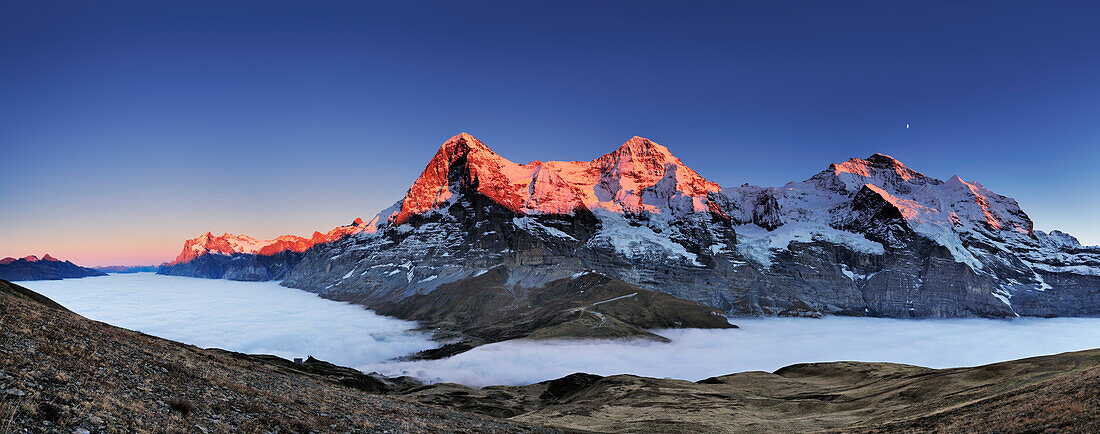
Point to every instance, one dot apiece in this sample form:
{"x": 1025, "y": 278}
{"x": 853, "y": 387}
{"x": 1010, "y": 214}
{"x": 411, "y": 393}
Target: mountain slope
{"x": 938, "y": 246}
{"x": 46, "y": 268}
{"x": 62, "y": 373}
{"x": 863, "y": 237}
{"x": 627, "y": 209}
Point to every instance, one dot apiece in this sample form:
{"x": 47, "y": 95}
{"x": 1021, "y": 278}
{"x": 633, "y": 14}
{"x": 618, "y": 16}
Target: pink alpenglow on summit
{"x": 639, "y": 177}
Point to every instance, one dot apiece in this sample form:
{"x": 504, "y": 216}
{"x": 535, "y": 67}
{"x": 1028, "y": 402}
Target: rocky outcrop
{"x": 47, "y": 268}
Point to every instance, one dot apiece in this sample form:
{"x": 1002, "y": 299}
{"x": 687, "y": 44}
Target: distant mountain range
{"x": 865, "y": 237}
{"x": 127, "y": 268}
{"x": 241, "y": 257}
{"x": 45, "y": 268}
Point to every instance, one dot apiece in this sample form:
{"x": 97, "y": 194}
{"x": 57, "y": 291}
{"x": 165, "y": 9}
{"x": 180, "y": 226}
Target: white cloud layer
{"x": 250, "y": 317}
{"x": 765, "y": 345}
{"x": 267, "y": 318}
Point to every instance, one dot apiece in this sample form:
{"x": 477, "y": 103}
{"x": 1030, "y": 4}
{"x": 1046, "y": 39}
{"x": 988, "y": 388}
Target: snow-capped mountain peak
{"x": 641, "y": 176}
{"x": 878, "y": 169}
{"x": 638, "y": 149}
{"x": 474, "y": 163}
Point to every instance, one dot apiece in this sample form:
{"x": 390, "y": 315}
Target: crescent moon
{"x": 907, "y": 126}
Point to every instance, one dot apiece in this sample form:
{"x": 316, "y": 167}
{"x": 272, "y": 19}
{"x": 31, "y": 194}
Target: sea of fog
{"x": 267, "y": 318}
{"x": 249, "y": 317}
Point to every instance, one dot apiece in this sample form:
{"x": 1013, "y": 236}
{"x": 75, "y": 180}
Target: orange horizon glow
{"x": 100, "y": 249}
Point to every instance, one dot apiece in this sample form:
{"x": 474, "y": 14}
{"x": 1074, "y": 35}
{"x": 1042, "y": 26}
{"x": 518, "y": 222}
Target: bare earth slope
{"x": 60, "y": 372}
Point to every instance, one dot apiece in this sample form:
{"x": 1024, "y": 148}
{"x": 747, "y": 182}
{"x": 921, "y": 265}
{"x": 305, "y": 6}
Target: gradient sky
{"x": 126, "y": 128}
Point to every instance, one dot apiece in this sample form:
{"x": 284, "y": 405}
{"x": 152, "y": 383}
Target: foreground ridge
{"x": 64, "y": 373}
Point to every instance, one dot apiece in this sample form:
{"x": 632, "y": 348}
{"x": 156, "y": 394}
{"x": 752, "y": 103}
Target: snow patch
{"x": 760, "y": 244}
{"x": 638, "y": 242}
{"x": 529, "y": 223}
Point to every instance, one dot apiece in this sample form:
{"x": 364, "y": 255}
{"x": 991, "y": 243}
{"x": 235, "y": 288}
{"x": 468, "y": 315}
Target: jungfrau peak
{"x": 863, "y": 237}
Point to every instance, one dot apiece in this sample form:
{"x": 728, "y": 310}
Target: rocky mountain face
{"x": 921, "y": 246}
{"x": 863, "y": 237}
{"x": 45, "y": 268}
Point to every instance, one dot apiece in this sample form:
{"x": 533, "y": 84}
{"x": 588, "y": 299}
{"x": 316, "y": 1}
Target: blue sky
{"x": 126, "y": 127}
